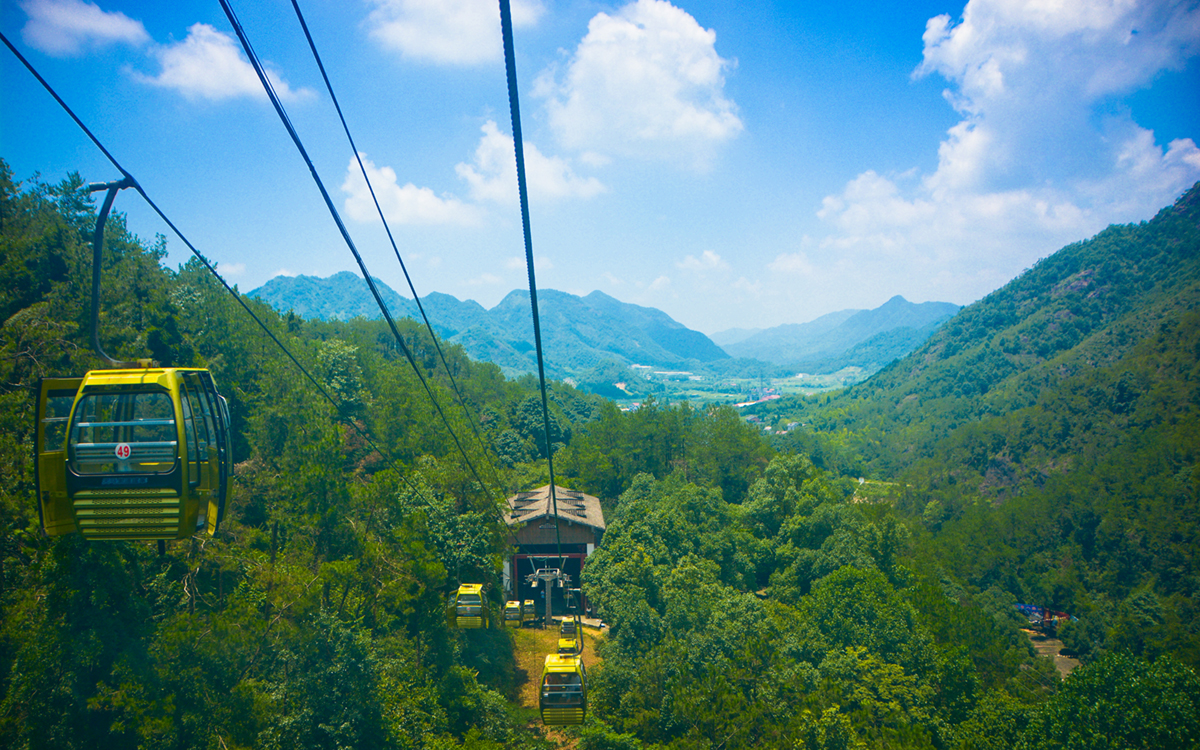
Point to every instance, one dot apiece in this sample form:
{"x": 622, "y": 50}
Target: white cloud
{"x": 791, "y": 263}
{"x": 209, "y": 64}
{"x": 659, "y": 284}
{"x": 231, "y": 269}
{"x": 1033, "y": 164}
{"x": 517, "y": 263}
{"x": 403, "y": 205}
{"x": 285, "y": 272}
{"x": 646, "y": 83}
{"x": 708, "y": 261}
{"x": 1027, "y": 76}
{"x": 485, "y": 279}
{"x": 65, "y": 27}
{"x": 749, "y": 287}
{"x": 455, "y": 32}
{"x": 493, "y": 175}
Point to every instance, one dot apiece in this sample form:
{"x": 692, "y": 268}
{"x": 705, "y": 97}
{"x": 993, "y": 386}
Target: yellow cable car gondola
{"x": 563, "y": 697}
{"x": 133, "y": 454}
{"x": 469, "y": 608}
{"x": 570, "y": 636}
{"x": 512, "y": 614}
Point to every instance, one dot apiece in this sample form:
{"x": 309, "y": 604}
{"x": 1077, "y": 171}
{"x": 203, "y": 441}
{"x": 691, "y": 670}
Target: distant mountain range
{"x": 866, "y": 338}
{"x": 578, "y": 333}
{"x": 582, "y": 333}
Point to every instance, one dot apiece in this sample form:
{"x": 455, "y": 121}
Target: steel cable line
{"x": 416, "y": 298}
{"x": 287, "y": 123}
{"x": 510, "y": 69}
{"x": 207, "y": 264}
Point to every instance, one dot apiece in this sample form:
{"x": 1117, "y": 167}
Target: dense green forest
{"x": 752, "y": 598}
{"x": 1045, "y": 441}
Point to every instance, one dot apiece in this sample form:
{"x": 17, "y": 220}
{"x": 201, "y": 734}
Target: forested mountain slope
{"x": 579, "y": 332}
{"x": 315, "y": 618}
{"x": 1085, "y": 307}
{"x": 822, "y": 345}
{"x": 754, "y": 600}
{"x": 1047, "y": 437}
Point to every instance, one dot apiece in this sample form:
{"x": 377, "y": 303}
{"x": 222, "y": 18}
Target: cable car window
{"x": 562, "y": 688}
{"x": 200, "y": 393}
{"x": 195, "y": 414}
{"x": 469, "y": 600}
{"x": 54, "y": 420}
{"x": 123, "y": 432}
{"x": 189, "y": 428}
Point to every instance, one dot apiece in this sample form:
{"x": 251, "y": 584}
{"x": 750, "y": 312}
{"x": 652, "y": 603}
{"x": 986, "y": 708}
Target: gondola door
{"x": 55, "y": 397}
{"x": 211, "y": 480}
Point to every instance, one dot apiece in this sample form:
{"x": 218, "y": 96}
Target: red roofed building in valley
{"x": 578, "y": 527}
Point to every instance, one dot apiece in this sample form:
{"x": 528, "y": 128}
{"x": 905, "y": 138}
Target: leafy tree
{"x": 1120, "y": 701}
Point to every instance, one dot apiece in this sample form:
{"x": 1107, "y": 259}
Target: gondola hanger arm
{"x": 112, "y": 189}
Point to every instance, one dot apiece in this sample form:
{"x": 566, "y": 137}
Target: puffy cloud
{"x": 1033, "y": 164}
{"x": 493, "y": 175}
{"x": 1089, "y": 48}
{"x": 406, "y": 204}
{"x": 485, "y": 279}
{"x": 647, "y": 83}
{"x": 747, "y": 286}
{"x": 231, "y": 269}
{"x": 791, "y": 263}
{"x": 517, "y": 263}
{"x": 708, "y": 261}
{"x": 455, "y": 32}
{"x": 209, "y": 64}
{"x": 65, "y": 27}
{"x": 1027, "y": 76}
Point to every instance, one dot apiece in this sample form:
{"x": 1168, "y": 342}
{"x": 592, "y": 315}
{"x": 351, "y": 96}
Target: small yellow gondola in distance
{"x": 570, "y": 636}
{"x": 512, "y": 614}
{"x": 469, "y": 608}
{"x": 563, "y": 698}
{"x": 528, "y": 611}
{"x": 143, "y": 453}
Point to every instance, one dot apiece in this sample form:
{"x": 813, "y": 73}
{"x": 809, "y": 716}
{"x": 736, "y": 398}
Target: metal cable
{"x": 207, "y": 264}
{"x": 262, "y": 76}
{"x": 510, "y": 69}
{"x": 416, "y": 297}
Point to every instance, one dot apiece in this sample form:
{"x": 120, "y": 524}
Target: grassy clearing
{"x": 872, "y": 491}
{"x": 532, "y": 645}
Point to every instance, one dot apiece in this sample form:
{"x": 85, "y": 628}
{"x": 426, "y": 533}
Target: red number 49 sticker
{"x": 123, "y": 451}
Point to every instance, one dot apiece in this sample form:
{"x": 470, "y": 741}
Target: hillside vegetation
{"x": 578, "y": 332}
{"x": 1047, "y": 437}
{"x": 753, "y": 598}
{"x": 866, "y": 338}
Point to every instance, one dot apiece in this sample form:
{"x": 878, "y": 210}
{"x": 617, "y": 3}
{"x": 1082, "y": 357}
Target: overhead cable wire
{"x": 387, "y": 227}
{"x": 337, "y": 218}
{"x": 510, "y": 69}
{"x": 207, "y": 264}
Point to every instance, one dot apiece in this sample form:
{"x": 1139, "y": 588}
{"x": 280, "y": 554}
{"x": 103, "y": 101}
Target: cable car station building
{"x": 579, "y": 526}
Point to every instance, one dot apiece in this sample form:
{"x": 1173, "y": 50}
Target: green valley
{"x": 846, "y": 578}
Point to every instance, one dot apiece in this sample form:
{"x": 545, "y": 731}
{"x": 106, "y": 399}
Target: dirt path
{"x": 1051, "y": 648}
{"x": 532, "y": 645}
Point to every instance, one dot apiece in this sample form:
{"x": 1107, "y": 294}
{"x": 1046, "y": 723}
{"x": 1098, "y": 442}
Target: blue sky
{"x": 733, "y": 164}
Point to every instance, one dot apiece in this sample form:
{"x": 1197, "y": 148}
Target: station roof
{"x": 573, "y": 506}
